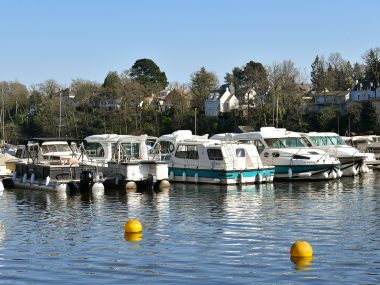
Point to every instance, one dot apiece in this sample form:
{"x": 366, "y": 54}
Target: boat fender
{"x": 290, "y": 173}
{"x": 183, "y": 176}
{"x": 14, "y": 175}
{"x": 196, "y": 178}
{"x": 171, "y": 176}
{"x": 354, "y": 171}
{"x": 32, "y": 178}
{"x": 97, "y": 188}
{"x": 24, "y": 178}
{"x": 47, "y": 181}
{"x": 259, "y": 177}
{"x": 325, "y": 175}
{"x": 1, "y": 188}
{"x": 62, "y": 187}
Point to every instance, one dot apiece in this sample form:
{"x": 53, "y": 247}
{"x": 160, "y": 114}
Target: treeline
{"x": 49, "y": 109}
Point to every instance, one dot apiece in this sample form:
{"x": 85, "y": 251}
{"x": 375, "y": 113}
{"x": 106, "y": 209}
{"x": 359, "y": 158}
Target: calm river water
{"x": 195, "y": 235}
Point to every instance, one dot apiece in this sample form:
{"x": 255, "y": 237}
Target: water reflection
{"x": 195, "y": 232}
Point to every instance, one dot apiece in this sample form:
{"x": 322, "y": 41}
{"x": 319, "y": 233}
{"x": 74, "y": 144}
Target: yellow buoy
{"x": 301, "y": 248}
{"x": 133, "y": 226}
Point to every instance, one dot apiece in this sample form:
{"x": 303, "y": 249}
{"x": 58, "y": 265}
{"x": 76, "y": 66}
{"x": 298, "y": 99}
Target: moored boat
{"x": 352, "y": 160}
{"x": 292, "y": 158}
{"x": 124, "y": 160}
{"x": 201, "y": 160}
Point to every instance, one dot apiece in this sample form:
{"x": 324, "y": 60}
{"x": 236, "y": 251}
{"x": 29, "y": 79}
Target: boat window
{"x": 274, "y": 143}
{"x": 337, "y": 140}
{"x": 131, "y": 150}
{"x": 94, "y": 150}
{"x": 187, "y": 151}
{"x": 215, "y": 154}
{"x": 240, "y": 152}
{"x": 306, "y": 142}
{"x": 166, "y": 147}
{"x": 257, "y": 143}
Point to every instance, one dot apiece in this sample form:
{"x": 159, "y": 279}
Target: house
{"x": 364, "y": 91}
{"x": 221, "y": 101}
{"x": 320, "y": 100}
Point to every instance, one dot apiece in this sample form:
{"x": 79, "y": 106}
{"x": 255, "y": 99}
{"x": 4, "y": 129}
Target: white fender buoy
{"x": 325, "y": 175}
{"x": 196, "y": 178}
{"x": 259, "y": 177}
{"x": 131, "y": 185}
{"x": 333, "y": 174}
{"x": 184, "y": 176}
{"x": 354, "y": 171}
{"x": 171, "y": 175}
{"x": 290, "y": 173}
{"x": 32, "y": 178}
{"x": 1, "y": 188}
{"x": 62, "y": 187}
{"x": 14, "y": 176}
{"x": 47, "y": 181}
{"x": 164, "y": 184}
{"x": 241, "y": 178}
{"x": 97, "y": 188}
{"x": 339, "y": 173}
{"x": 24, "y": 177}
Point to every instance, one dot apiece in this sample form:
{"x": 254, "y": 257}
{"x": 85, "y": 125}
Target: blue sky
{"x": 70, "y": 39}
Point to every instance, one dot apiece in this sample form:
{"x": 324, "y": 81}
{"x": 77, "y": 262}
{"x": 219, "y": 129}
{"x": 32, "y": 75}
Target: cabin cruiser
{"x": 124, "y": 159}
{"x": 352, "y": 161}
{"x": 53, "y": 164}
{"x": 286, "y": 150}
{"x": 203, "y": 160}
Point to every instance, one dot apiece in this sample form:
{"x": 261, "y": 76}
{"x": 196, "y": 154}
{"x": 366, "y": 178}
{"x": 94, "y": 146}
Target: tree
{"x": 318, "y": 74}
{"x": 146, "y": 72}
{"x": 112, "y": 84}
{"x": 202, "y": 83}
{"x": 286, "y": 110}
{"x": 372, "y": 61}
{"x": 251, "y": 78}
{"x": 368, "y": 117}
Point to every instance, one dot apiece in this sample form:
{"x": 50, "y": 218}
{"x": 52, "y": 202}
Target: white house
{"x": 366, "y": 90}
{"x": 221, "y": 101}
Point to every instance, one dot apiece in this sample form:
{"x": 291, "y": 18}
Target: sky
{"x": 66, "y": 40}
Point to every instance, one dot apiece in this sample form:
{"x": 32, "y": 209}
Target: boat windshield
{"x": 285, "y": 142}
{"x": 55, "y": 148}
{"x": 328, "y": 140}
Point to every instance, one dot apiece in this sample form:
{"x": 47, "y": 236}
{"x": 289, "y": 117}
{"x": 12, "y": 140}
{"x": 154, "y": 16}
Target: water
{"x": 195, "y": 235}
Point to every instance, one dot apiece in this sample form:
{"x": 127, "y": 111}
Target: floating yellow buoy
{"x": 133, "y": 237}
{"x": 133, "y": 226}
{"x": 301, "y": 248}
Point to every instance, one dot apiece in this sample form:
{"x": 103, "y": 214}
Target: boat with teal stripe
{"x": 289, "y": 154}
{"x": 197, "y": 159}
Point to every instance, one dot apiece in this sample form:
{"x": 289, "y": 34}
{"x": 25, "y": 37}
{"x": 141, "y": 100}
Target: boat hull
{"x": 306, "y": 172}
{"x": 220, "y": 176}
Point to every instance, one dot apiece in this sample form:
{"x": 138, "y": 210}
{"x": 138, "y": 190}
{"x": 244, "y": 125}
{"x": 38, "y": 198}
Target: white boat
{"x": 352, "y": 160}
{"x": 124, "y": 160}
{"x": 201, "y": 160}
{"x": 292, "y": 158}
{"x": 369, "y": 146}
{"x": 53, "y": 164}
